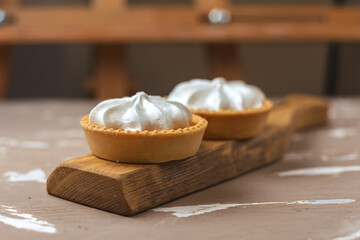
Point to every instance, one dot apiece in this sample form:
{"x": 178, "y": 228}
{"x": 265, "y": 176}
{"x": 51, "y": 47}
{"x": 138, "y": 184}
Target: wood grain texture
{"x": 224, "y": 61}
{"x": 5, "y": 64}
{"x": 206, "y": 5}
{"x": 109, "y": 5}
{"x": 180, "y": 24}
{"x": 128, "y": 189}
{"x": 111, "y": 78}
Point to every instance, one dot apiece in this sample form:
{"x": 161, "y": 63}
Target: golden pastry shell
{"x": 144, "y": 146}
{"x": 235, "y": 124}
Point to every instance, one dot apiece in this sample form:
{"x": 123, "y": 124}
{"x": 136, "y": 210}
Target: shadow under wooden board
{"x": 127, "y": 189}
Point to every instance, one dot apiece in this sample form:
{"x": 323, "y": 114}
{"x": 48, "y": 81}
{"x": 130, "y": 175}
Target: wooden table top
{"x": 312, "y": 193}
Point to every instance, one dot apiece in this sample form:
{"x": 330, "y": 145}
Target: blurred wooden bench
{"x": 110, "y": 24}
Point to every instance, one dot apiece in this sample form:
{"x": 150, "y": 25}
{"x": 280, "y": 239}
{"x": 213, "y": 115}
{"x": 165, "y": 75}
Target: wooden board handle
{"x": 298, "y": 111}
{"x": 127, "y": 189}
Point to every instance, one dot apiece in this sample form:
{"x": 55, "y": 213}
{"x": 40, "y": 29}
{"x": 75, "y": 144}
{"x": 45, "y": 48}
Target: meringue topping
{"x": 217, "y": 94}
{"x": 140, "y": 112}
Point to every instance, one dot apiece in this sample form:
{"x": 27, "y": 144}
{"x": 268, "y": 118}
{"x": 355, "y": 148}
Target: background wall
{"x": 62, "y": 70}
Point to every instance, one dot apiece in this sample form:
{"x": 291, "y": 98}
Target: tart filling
{"x": 217, "y": 94}
{"x": 140, "y": 112}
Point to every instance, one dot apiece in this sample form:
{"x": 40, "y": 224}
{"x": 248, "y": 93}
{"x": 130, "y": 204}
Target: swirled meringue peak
{"x": 218, "y": 94}
{"x": 140, "y": 112}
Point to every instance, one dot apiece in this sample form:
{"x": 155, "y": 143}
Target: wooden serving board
{"x": 127, "y": 189}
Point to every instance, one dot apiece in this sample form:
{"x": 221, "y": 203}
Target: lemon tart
{"x": 233, "y": 109}
{"x": 143, "y": 129}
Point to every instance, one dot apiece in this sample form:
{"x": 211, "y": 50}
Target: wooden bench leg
{"x": 111, "y": 75}
{"x": 5, "y": 64}
{"x": 224, "y": 61}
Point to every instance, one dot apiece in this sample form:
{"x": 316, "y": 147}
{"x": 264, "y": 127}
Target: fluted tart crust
{"x": 144, "y": 146}
{"x": 235, "y": 124}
